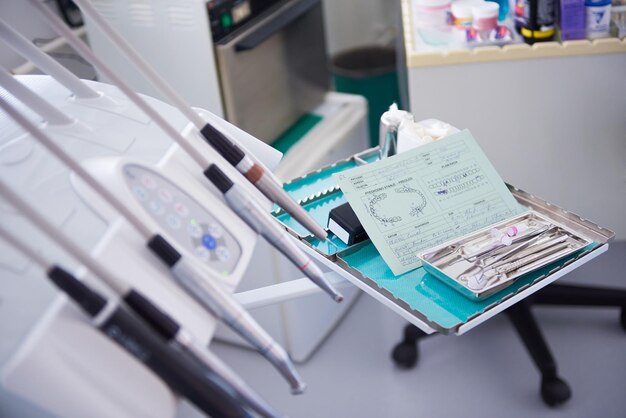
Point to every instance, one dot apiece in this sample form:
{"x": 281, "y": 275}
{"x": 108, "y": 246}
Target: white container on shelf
{"x": 485, "y": 16}
{"x": 598, "y": 18}
{"x": 433, "y": 21}
{"x": 462, "y": 16}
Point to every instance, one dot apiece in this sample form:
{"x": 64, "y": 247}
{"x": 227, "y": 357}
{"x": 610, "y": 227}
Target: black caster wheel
{"x": 405, "y": 355}
{"x": 554, "y": 391}
{"x": 622, "y": 317}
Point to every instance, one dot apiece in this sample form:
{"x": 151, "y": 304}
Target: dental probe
{"x": 246, "y": 164}
{"x": 160, "y": 322}
{"x": 177, "y": 369}
{"x": 45, "y": 63}
{"x": 207, "y": 292}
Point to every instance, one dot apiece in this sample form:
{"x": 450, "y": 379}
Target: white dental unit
{"x": 123, "y": 143}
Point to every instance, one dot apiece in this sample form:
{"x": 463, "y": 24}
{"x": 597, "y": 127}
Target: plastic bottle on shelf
{"x": 598, "y": 18}
{"x": 518, "y": 15}
{"x": 461, "y": 19}
{"x": 462, "y": 13}
{"x": 572, "y": 19}
{"x": 537, "y": 24}
{"x": 485, "y": 17}
{"x": 433, "y": 21}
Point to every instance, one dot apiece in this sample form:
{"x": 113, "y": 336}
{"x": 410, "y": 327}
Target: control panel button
{"x": 202, "y": 253}
{"x": 165, "y": 195}
{"x": 173, "y": 221}
{"x": 156, "y": 207}
{"x": 215, "y": 229}
{"x": 140, "y": 193}
{"x": 209, "y": 241}
{"x": 181, "y": 209}
{"x": 148, "y": 181}
{"x": 194, "y": 230}
{"x": 222, "y": 253}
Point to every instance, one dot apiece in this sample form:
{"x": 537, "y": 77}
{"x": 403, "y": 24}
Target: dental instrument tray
{"x": 483, "y": 262}
{"x": 463, "y": 282}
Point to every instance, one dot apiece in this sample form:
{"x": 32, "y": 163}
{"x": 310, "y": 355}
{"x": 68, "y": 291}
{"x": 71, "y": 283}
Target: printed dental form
{"x": 425, "y": 197}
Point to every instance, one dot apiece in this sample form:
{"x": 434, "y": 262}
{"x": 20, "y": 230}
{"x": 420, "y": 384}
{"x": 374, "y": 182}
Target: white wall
{"x": 555, "y": 127}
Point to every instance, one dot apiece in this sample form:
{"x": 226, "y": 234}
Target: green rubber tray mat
{"x": 437, "y": 302}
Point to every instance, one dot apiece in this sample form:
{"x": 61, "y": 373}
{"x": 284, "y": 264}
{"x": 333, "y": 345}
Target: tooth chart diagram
{"x": 426, "y": 196}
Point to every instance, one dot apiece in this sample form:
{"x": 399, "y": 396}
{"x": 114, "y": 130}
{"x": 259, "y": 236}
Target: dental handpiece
{"x": 223, "y": 306}
{"x": 182, "y": 372}
{"x": 253, "y": 170}
{"x": 173, "y": 332}
{"x": 260, "y": 177}
{"x": 252, "y": 214}
{"x": 177, "y": 370}
{"x": 163, "y": 324}
{"x": 207, "y": 292}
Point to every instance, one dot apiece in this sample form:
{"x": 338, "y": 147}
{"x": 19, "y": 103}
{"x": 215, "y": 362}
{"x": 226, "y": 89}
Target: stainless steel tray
{"x": 335, "y": 259}
{"x": 459, "y": 266}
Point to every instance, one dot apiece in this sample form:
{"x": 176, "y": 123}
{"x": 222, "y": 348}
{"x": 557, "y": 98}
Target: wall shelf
{"x": 511, "y": 52}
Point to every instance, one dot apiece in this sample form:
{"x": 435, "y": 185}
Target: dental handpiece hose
{"x": 252, "y": 214}
{"x": 51, "y": 114}
{"x": 46, "y": 63}
{"x": 169, "y": 329}
{"x": 230, "y": 312}
{"x": 207, "y": 292}
{"x": 228, "y": 148}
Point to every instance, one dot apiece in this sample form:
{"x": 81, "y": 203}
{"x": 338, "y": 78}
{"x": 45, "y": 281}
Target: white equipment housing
{"x": 63, "y": 345}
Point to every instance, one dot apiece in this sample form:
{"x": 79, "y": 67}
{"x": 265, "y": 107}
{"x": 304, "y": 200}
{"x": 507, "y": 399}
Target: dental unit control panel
{"x": 191, "y": 225}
